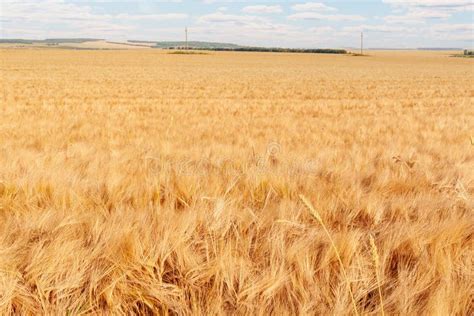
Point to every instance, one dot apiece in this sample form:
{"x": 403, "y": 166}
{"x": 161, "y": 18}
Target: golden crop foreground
{"x": 144, "y": 182}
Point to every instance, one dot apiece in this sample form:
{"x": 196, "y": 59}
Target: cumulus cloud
{"x": 418, "y": 11}
{"x": 220, "y": 17}
{"x": 452, "y": 27}
{"x": 75, "y": 19}
{"x": 312, "y": 6}
{"x": 432, "y": 3}
{"x": 250, "y": 30}
{"x": 320, "y": 11}
{"x": 381, "y": 28}
{"x": 52, "y": 11}
{"x": 262, "y": 9}
{"x": 155, "y": 17}
{"x": 416, "y": 16}
{"x": 328, "y": 17}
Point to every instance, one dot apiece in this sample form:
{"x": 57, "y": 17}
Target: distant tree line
{"x": 269, "y": 50}
{"x": 194, "y": 45}
{"x": 468, "y": 52}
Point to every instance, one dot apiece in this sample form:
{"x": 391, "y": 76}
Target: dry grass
{"x": 144, "y": 182}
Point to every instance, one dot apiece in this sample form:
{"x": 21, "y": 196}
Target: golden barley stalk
{"x": 375, "y": 256}
{"x": 318, "y": 217}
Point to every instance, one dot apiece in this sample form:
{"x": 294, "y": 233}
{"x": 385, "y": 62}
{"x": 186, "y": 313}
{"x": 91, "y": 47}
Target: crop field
{"x": 139, "y": 181}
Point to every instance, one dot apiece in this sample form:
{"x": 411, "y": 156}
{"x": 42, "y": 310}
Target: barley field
{"x": 143, "y": 182}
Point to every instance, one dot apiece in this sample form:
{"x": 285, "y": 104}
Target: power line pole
{"x": 361, "y": 43}
{"x": 186, "y": 37}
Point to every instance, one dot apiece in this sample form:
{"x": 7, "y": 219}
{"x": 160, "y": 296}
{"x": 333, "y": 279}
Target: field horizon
{"x": 143, "y": 182}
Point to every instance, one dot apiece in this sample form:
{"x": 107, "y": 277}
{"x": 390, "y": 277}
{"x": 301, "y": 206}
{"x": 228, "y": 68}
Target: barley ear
{"x": 318, "y": 217}
{"x": 375, "y": 256}
{"x": 311, "y": 209}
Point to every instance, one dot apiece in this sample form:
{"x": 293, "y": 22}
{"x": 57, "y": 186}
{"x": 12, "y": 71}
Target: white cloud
{"x": 376, "y": 29}
{"x": 156, "y": 17}
{"x": 220, "y": 17}
{"x": 399, "y": 36}
{"x": 321, "y": 29}
{"x": 461, "y": 32}
{"x": 431, "y": 3}
{"x": 246, "y": 23}
{"x": 416, "y": 16}
{"x": 312, "y": 11}
{"x": 262, "y": 9}
{"x": 248, "y": 30}
{"x": 312, "y": 6}
{"x": 57, "y": 10}
{"x": 452, "y": 27}
{"x": 418, "y": 11}
{"x": 328, "y": 17}
{"x": 75, "y": 19}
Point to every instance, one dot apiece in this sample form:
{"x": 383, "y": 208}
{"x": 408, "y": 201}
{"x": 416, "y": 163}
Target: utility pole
{"x": 361, "y": 43}
{"x": 186, "y": 37}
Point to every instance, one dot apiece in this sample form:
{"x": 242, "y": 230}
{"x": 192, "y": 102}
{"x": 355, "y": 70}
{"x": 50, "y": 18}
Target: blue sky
{"x": 386, "y": 23}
